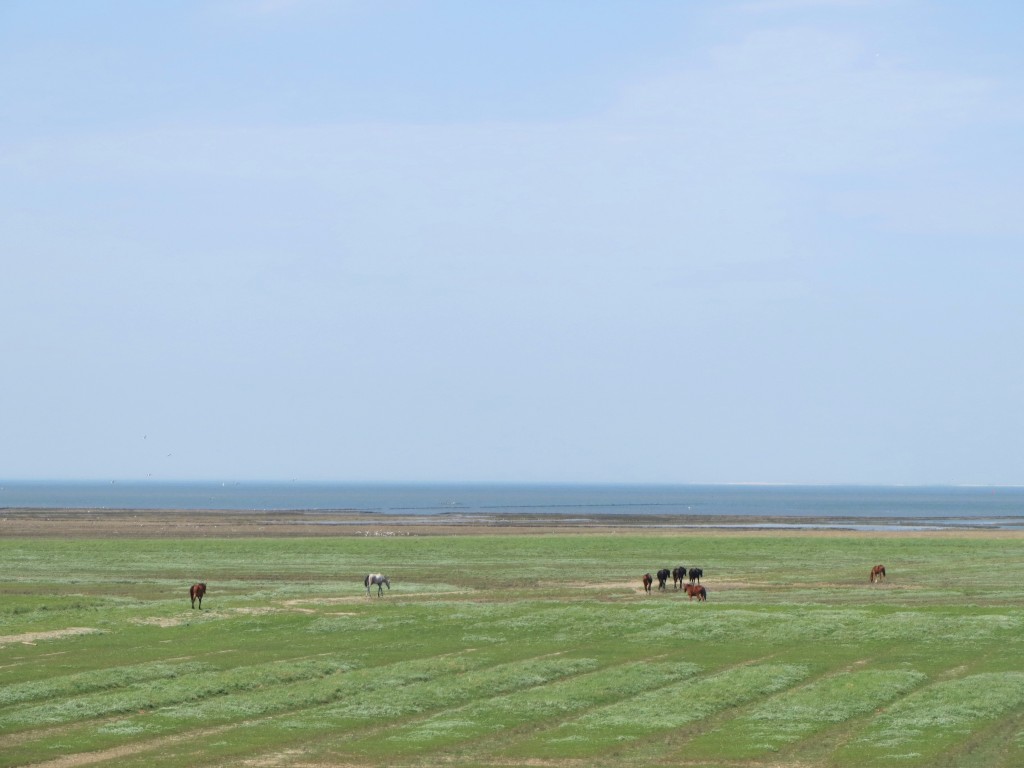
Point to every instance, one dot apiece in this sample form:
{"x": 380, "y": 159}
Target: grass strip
{"x": 661, "y": 710}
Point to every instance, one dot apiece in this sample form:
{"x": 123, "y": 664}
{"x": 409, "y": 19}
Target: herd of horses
{"x": 694, "y": 588}
{"x": 679, "y": 576}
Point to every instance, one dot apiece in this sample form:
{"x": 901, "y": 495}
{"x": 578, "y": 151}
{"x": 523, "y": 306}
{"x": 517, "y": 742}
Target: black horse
{"x": 695, "y": 574}
{"x": 678, "y": 575}
{"x": 663, "y": 575}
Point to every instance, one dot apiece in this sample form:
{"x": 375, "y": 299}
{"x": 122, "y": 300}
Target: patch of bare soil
{"x": 126, "y": 750}
{"x": 30, "y": 638}
{"x": 160, "y": 621}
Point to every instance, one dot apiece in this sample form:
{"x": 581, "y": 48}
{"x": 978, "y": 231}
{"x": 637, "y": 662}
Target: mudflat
{"x": 173, "y": 523}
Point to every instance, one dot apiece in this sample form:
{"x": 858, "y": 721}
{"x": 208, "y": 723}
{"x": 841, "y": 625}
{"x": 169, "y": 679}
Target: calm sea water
{"x": 912, "y": 506}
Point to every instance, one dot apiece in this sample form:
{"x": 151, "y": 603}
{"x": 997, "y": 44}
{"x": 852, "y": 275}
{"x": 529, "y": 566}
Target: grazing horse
{"x": 380, "y": 580}
{"x": 196, "y": 592}
{"x": 678, "y": 574}
{"x": 647, "y": 582}
{"x": 696, "y": 590}
{"x": 663, "y": 577}
{"x": 695, "y": 574}
{"x": 877, "y": 573}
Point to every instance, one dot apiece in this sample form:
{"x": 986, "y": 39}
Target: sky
{"x": 717, "y": 241}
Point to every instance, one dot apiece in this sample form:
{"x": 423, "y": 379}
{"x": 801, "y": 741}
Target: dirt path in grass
{"x": 115, "y": 753}
{"x": 30, "y": 638}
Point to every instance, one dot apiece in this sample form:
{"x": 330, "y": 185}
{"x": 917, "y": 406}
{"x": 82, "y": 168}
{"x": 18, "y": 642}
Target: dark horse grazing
{"x": 695, "y": 574}
{"x": 696, "y": 590}
{"x": 877, "y": 573}
{"x": 663, "y": 577}
{"x": 647, "y": 582}
{"x": 196, "y": 592}
{"x": 678, "y": 575}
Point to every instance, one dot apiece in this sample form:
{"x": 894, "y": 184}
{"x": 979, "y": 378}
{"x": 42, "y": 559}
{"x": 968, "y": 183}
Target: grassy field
{"x": 513, "y": 650}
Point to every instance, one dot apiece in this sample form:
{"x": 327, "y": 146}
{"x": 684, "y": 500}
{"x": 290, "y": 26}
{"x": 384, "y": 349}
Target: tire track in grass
{"x": 368, "y": 715}
{"x": 164, "y": 691}
{"x": 557, "y": 699}
{"x": 274, "y": 717}
{"x": 127, "y": 750}
{"x": 79, "y": 683}
{"x": 618, "y": 724}
{"x": 917, "y": 729}
{"x": 797, "y": 714}
{"x": 92, "y": 720}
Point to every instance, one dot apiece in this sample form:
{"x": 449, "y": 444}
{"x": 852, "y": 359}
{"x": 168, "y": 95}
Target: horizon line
{"x": 492, "y": 483}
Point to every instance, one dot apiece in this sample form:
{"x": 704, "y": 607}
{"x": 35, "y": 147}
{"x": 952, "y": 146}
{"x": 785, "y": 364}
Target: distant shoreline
{"x": 212, "y": 523}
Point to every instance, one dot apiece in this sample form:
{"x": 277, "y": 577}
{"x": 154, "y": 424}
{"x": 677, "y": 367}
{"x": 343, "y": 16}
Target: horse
{"x": 647, "y": 582}
{"x": 196, "y": 592}
{"x": 696, "y": 590}
{"x": 877, "y": 573}
{"x": 695, "y": 574}
{"x": 678, "y": 575}
{"x": 663, "y": 577}
{"x": 380, "y": 580}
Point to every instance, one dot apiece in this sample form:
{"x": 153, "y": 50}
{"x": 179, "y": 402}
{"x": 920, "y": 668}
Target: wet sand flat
{"x": 147, "y": 523}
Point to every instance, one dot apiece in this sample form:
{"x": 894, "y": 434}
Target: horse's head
{"x": 387, "y": 582}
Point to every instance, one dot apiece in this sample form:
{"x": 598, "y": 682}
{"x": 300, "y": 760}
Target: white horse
{"x": 378, "y": 579}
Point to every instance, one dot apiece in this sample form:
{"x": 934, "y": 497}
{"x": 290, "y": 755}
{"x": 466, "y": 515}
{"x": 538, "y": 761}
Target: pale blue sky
{"x": 721, "y": 241}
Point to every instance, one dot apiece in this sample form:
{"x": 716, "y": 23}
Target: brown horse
{"x": 647, "y": 582}
{"x": 696, "y": 590}
{"x": 877, "y": 573}
{"x": 196, "y": 592}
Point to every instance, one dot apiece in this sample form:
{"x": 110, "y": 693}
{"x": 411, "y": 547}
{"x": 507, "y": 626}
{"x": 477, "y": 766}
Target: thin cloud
{"x": 773, "y": 6}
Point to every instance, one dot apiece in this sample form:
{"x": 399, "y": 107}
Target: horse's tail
{"x": 366, "y": 581}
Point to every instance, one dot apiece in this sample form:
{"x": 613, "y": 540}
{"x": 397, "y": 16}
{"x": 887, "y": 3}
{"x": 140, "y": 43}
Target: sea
{"x": 857, "y": 507}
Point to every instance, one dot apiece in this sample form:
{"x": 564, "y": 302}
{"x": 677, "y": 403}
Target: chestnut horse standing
{"x": 696, "y": 590}
{"x": 877, "y": 573}
{"x": 196, "y": 592}
{"x": 647, "y": 582}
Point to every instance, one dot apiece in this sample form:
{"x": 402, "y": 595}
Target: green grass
{"x": 514, "y": 650}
